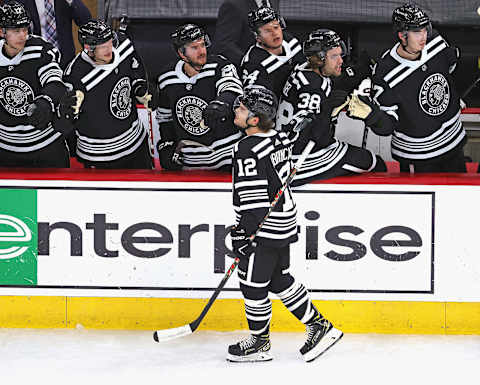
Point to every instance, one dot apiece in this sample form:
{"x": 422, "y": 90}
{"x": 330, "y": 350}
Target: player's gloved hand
{"x": 69, "y": 105}
{"x": 296, "y": 124}
{"x": 40, "y": 112}
{"x": 216, "y": 113}
{"x": 169, "y": 158}
{"x": 242, "y": 245}
{"x": 334, "y": 103}
{"x": 363, "y": 108}
{"x": 318, "y": 128}
{"x": 141, "y": 93}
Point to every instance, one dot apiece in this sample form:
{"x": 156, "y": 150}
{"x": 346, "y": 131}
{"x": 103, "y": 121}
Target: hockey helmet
{"x": 320, "y": 41}
{"x": 188, "y": 33}
{"x": 14, "y": 15}
{"x": 95, "y": 32}
{"x": 262, "y": 16}
{"x": 409, "y": 17}
{"x": 258, "y": 99}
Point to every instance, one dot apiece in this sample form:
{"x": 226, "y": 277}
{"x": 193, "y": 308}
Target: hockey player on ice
{"x": 309, "y": 90}
{"x": 32, "y": 95}
{"x": 272, "y": 58}
{"x": 194, "y": 113}
{"x": 110, "y": 134}
{"x": 262, "y": 162}
{"x": 415, "y": 97}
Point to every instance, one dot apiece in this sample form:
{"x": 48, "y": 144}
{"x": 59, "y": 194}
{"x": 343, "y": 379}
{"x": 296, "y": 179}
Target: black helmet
{"x": 262, "y": 16}
{"x": 94, "y": 33}
{"x": 258, "y": 99}
{"x": 320, "y": 41}
{"x": 188, "y": 33}
{"x": 409, "y": 17}
{"x": 14, "y": 15}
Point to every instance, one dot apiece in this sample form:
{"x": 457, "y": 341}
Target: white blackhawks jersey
{"x": 23, "y": 78}
{"x": 269, "y": 70}
{"x": 421, "y": 97}
{"x": 182, "y": 100}
{"x": 261, "y": 164}
{"x": 108, "y": 127}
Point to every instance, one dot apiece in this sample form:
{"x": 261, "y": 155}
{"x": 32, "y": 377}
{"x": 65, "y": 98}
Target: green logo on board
{"x": 18, "y": 237}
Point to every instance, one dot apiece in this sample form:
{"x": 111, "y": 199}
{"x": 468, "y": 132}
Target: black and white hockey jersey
{"x": 33, "y": 72}
{"x": 261, "y": 164}
{"x": 269, "y": 70}
{"x": 182, "y": 100}
{"x": 108, "y": 127}
{"x": 303, "y": 92}
{"x": 421, "y": 99}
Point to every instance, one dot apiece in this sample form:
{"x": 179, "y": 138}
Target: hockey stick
{"x": 470, "y": 88}
{"x": 150, "y": 133}
{"x": 187, "y": 142}
{"x": 168, "y": 334}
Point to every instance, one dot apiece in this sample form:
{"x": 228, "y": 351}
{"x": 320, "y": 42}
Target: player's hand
{"x": 216, "y": 113}
{"x": 69, "y": 105}
{"x": 242, "y": 245}
{"x": 363, "y": 108}
{"x": 40, "y": 112}
{"x": 169, "y": 158}
{"x": 141, "y": 93}
{"x": 334, "y": 103}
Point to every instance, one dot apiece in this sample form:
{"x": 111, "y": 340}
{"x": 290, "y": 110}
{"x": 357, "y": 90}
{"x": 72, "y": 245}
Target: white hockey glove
{"x": 144, "y": 99}
{"x": 361, "y": 106}
{"x": 141, "y": 93}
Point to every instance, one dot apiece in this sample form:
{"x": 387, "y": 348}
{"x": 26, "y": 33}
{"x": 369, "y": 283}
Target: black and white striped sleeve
{"x": 228, "y": 80}
{"x": 50, "y": 75}
{"x": 388, "y": 104}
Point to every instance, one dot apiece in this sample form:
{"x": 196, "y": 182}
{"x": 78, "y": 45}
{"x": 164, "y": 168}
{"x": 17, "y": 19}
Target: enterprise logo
{"x": 13, "y": 231}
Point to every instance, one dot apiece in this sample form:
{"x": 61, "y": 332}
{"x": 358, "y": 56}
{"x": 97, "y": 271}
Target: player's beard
{"x": 198, "y": 62}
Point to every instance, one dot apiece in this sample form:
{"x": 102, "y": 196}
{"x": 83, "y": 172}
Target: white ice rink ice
{"x": 90, "y": 357}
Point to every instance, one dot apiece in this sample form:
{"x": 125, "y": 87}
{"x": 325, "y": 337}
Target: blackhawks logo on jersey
{"x": 189, "y": 113}
{"x": 15, "y": 95}
{"x": 434, "y": 95}
{"x": 120, "y": 100}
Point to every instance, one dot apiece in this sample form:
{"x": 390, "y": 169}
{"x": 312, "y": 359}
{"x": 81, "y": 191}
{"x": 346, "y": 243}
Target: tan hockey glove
{"x": 358, "y": 108}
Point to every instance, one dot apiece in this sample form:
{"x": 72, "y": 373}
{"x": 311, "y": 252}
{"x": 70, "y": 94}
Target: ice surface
{"x": 93, "y": 357}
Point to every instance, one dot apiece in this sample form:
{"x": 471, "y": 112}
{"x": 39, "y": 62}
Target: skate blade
{"x": 327, "y": 341}
{"x": 256, "y": 357}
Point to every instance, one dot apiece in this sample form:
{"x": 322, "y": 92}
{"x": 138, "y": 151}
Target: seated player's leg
{"x": 338, "y": 159}
{"x": 360, "y": 160}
